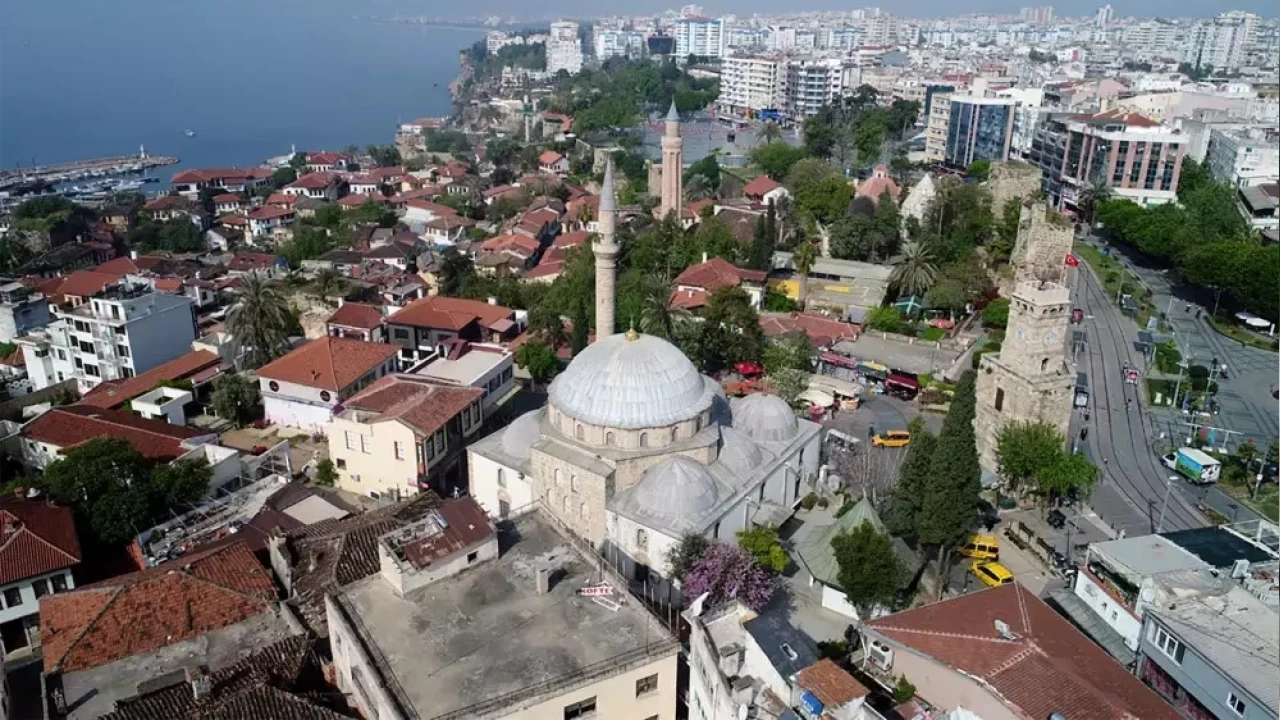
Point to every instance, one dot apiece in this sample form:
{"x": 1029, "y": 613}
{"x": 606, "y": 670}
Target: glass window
{"x": 12, "y": 597}
{"x": 644, "y": 439}
{"x": 366, "y": 444}
{"x": 573, "y": 482}
{"x": 581, "y": 709}
{"x": 642, "y": 539}
{"x": 1169, "y": 645}
{"x": 999, "y": 399}
{"x": 59, "y": 583}
{"x": 341, "y": 463}
{"x": 502, "y": 478}
{"x": 399, "y": 450}
{"x": 351, "y": 440}
{"x": 646, "y": 685}
{"x": 41, "y": 587}
{"x": 1235, "y": 703}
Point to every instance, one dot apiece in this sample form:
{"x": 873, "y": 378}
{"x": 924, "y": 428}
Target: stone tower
{"x": 1008, "y": 180}
{"x": 606, "y": 252}
{"x": 1029, "y": 379}
{"x": 1044, "y": 241}
{"x": 672, "y": 165}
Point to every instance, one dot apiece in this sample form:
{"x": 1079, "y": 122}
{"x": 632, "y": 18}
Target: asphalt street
{"x": 1135, "y": 486}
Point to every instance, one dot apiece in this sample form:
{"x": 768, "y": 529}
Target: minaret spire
{"x": 606, "y": 251}
{"x": 672, "y": 165}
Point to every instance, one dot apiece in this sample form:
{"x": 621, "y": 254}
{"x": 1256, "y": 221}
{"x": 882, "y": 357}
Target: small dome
{"x": 521, "y": 434}
{"x": 674, "y": 487}
{"x": 765, "y": 418}
{"x": 631, "y": 381}
{"x": 739, "y": 453}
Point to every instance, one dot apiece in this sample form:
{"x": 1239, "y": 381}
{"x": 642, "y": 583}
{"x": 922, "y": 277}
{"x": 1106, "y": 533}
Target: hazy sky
{"x": 918, "y": 8}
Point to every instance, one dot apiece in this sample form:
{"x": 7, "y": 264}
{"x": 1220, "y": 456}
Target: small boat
{"x": 189, "y": 133}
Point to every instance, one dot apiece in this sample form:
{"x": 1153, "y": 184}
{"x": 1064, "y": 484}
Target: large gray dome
{"x": 677, "y": 486}
{"x": 765, "y": 418}
{"x": 521, "y": 434}
{"x": 631, "y": 381}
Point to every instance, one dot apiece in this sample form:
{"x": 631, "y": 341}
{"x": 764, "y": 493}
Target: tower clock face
{"x": 1049, "y": 338}
{"x": 1021, "y": 334}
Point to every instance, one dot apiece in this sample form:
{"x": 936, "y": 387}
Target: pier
{"x": 81, "y": 169}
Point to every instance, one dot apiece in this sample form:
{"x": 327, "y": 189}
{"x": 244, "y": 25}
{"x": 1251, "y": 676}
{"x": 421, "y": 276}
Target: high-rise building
{"x": 699, "y": 36}
{"x": 810, "y": 84}
{"x": 751, "y": 83}
{"x": 1105, "y": 15}
{"x": 1220, "y": 43}
{"x": 979, "y": 128}
{"x": 564, "y": 48}
{"x": 935, "y": 143}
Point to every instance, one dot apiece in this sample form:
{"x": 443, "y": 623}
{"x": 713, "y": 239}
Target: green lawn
{"x": 1268, "y": 502}
{"x": 933, "y": 334}
{"x": 1112, "y": 275}
{"x": 1235, "y": 333}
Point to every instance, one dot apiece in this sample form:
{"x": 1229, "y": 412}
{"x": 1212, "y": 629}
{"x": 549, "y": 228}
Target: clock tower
{"x": 1030, "y": 378}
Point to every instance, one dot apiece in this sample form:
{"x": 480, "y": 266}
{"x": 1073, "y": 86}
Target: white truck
{"x": 1196, "y": 465}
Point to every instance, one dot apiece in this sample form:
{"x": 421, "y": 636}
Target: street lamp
{"x": 1168, "y": 489}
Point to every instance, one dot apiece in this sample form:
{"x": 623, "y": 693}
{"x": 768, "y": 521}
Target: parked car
{"x": 892, "y": 439}
{"x": 1057, "y": 519}
{"x": 991, "y": 574}
{"x": 982, "y": 547}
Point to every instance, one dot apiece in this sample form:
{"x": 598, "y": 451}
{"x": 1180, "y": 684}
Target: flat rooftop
{"x": 487, "y": 633}
{"x": 1147, "y": 555}
{"x": 466, "y": 369}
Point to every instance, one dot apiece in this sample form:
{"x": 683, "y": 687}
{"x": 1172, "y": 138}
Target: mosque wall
{"x": 644, "y": 545}
{"x": 497, "y": 487}
{"x": 628, "y": 439}
{"x": 575, "y": 495}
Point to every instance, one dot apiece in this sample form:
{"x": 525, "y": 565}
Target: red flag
{"x": 1072, "y": 260}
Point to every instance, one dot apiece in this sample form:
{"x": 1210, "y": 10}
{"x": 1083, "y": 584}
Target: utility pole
{"x": 1168, "y": 488}
{"x": 1178, "y": 385}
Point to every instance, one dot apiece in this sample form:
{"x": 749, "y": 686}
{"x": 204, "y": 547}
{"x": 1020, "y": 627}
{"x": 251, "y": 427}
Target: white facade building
{"x": 751, "y": 83}
{"x": 564, "y": 48}
{"x": 123, "y": 332}
{"x": 810, "y": 84}
{"x": 699, "y": 36}
{"x": 618, "y": 43}
{"x": 1244, "y": 157}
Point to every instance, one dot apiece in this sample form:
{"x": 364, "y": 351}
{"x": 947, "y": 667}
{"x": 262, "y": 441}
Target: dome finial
{"x": 632, "y": 335}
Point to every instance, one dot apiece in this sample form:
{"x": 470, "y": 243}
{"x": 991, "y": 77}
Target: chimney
{"x": 492, "y": 300}
{"x": 201, "y": 683}
{"x": 543, "y": 578}
{"x": 133, "y": 254}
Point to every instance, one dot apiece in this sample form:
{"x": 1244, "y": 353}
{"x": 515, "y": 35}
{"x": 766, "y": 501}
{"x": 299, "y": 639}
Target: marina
{"x": 75, "y": 171}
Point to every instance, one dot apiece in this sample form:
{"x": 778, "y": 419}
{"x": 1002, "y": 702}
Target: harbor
{"x": 15, "y": 179}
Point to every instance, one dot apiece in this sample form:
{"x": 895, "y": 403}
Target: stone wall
{"x": 1044, "y": 240}
{"x": 574, "y": 495}
{"x": 1004, "y": 396}
{"x": 1009, "y": 180}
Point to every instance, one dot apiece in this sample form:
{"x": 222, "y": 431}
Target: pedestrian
{"x": 1084, "y": 433}
{"x": 1086, "y": 416}
{"x": 871, "y": 431}
{"x": 1106, "y": 461}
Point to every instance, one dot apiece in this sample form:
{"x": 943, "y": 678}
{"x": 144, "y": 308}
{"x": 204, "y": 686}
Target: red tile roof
{"x": 356, "y": 315}
{"x": 355, "y": 201}
{"x": 115, "y": 393}
{"x": 148, "y": 610}
{"x": 84, "y": 283}
{"x": 550, "y": 157}
{"x": 122, "y": 266}
{"x": 1118, "y": 116}
{"x": 36, "y": 537}
{"x": 226, "y": 198}
{"x": 233, "y": 220}
{"x": 821, "y": 330}
{"x": 167, "y": 202}
{"x": 270, "y": 212}
{"x": 281, "y": 199}
{"x": 324, "y": 158}
{"x": 71, "y": 425}
{"x": 434, "y": 208}
{"x": 448, "y": 313}
{"x": 450, "y": 222}
{"x": 830, "y": 683}
{"x": 717, "y": 273}
{"x": 1047, "y": 666}
{"x": 876, "y": 185}
{"x": 314, "y": 181}
{"x": 224, "y": 174}
{"x": 329, "y": 363}
{"x": 688, "y": 299}
{"x": 243, "y": 261}
{"x": 573, "y": 239}
{"x": 423, "y": 405}
{"x": 466, "y": 524}
{"x": 761, "y": 186}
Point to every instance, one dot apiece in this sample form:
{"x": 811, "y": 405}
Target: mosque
{"x": 636, "y": 448}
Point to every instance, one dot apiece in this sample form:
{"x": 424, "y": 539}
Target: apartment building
{"x": 548, "y": 631}
{"x": 618, "y": 43}
{"x": 1136, "y": 157}
{"x": 1244, "y": 157}
{"x": 21, "y": 311}
{"x": 1221, "y": 42}
{"x": 40, "y": 547}
{"x": 811, "y": 84}
{"x": 120, "y": 332}
{"x": 488, "y": 367}
{"x": 939, "y": 119}
{"x": 564, "y": 48}
{"x": 751, "y": 83}
{"x": 699, "y": 36}
{"x": 980, "y": 128}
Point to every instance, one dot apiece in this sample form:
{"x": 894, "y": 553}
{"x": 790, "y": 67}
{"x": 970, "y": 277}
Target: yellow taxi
{"x": 981, "y": 547}
{"x": 891, "y": 439}
{"x": 992, "y": 574}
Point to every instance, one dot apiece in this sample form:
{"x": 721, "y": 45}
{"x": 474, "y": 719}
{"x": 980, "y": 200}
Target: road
{"x": 1134, "y": 486}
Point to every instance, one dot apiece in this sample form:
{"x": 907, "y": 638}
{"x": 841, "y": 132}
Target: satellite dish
{"x": 1002, "y": 629}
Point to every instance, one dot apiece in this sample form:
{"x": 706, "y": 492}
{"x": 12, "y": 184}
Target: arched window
{"x": 644, "y": 439}
{"x": 675, "y": 432}
{"x": 573, "y": 482}
{"x": 559, "y": 478}
{"x": 697, "y": 424}
{"x": 642, "y": 539}
{"x": 581, "y": 432}
{"x": 608, "y": 438}
{"x": 566, "y": 505}
{"x": 1044, "y": 364}
{"x": 502, "y": 478}
{"x": 583, "y": 510}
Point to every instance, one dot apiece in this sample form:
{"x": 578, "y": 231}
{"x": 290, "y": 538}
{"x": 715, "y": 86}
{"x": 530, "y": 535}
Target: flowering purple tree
{"x": 726, "y": 572}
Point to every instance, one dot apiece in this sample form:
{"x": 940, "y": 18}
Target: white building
{"x": 618, "y": 43}
{"x": 39, "y": 551}
{"x": 301, "y": 389}
{"x": 564, "y": 48}
{"x": 1222, "y": 41}
{"x": 751, "y": 82}
{"x": 122, "y": 332}
{"x": 1103, "y": 19}
{"x": 699, "y": 36}
{"x": 487, "y": 366}
{"x": 496, "y": 40}
{"x": 812, "y": 83}
{"x": 1244, "y": 157}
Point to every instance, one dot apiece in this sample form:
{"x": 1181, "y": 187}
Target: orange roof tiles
{"x": 148, "y": 610}
{"x": 36, "y": 537}
{"x": 423, "y": 405}
{"x": 831, "y": 684}
{"x": 761, "y": 186}
{"x": 330, "y": 363}
{"x": 717, "y": 273}
{"x": 114, "y": 393}
{"x": 449, "y": 313}
{"x": 71, "y": 425}
{"x": 821, "y": 330}
{"x": 84, "y": 283}
{"x": 356, "y": 315}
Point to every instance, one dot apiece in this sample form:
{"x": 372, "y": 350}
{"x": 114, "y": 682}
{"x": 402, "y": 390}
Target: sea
{"x": 81, "y": 79}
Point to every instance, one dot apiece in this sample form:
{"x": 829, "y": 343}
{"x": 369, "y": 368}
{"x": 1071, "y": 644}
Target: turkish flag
{"x": 1072, "y": 260}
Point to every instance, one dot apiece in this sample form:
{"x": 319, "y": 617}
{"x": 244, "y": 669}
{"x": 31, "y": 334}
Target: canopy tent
{"x": 910, "y": 304}
{"x": 818, "y": 398}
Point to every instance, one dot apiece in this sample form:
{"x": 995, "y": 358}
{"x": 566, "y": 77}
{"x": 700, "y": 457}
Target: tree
{"x": 824, "y": 201}
{"x": 996, "y": 313}
{"x": 806, "y": 254}
{"x": 581, "y": 327}
{"x": 326, "y": 475}
{"x": 950, "y": 504}
{"x": 1069, "y": 475}
{"x": 760, "y": 256}
{"x": 871, "y": 574}
{"x": 539, "y": 360}
{"x": 1093, "y": 195}
{"x": 259, "y": 322}
{"x": 730, "y": 332}
{"x": 234, "y": 398}
{"x": 789, "y": 350}
{"x": 913, "y": 479}
{"x": 117, "y": 492}
{"x": 769, "y": 132}
{"x": 283, "y": 176}
{"x": 707, "y": 168}
{"x": 686, "y": 554}
{"x": 788, "y": 383}
{"x": 917, "y": 271}
{"x": 1023, "y": 448}
{"x": 727, "y": 572}
{"x": 776, "y": 159}
{"x": 1006, "y": 231}
{"x": 885, "y": 319}
{"x": 384, "y": 155}
{"x": 762, "y": 543}
{"x": 455, "y": 270}
{"x": 980, "y": 169}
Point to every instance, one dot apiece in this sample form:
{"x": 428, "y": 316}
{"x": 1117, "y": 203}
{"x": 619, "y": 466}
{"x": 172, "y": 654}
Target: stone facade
{"x": 1030, "y": 378}
{"x": 1009, "y": 180}
{"x": 672, "y": 166}
{"x": 1044, "y": 241}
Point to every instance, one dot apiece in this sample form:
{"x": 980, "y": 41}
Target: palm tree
{"x": 769, "y": 132}
{"x": 805, "y": 255}
{"x": 697, "y": 187}
{"x": 326, "y": 282}
{"x": 657, "y": 317}
{"x": 1091, "y": 197}
{"x": 259, "y": 322}
{"x": 917, "y": 271}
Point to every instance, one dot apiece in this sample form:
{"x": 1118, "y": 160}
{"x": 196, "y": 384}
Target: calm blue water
{"x": 86, "y": 78}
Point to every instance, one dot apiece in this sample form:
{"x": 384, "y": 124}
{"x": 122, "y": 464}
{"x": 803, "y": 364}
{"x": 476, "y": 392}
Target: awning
{"x": 770, "y": 514}
{"x": 1088, "y": 621}
{"x": 817, "y": 397}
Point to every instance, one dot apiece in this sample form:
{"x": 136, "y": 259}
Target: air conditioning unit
{"x": 881, "y": 655}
